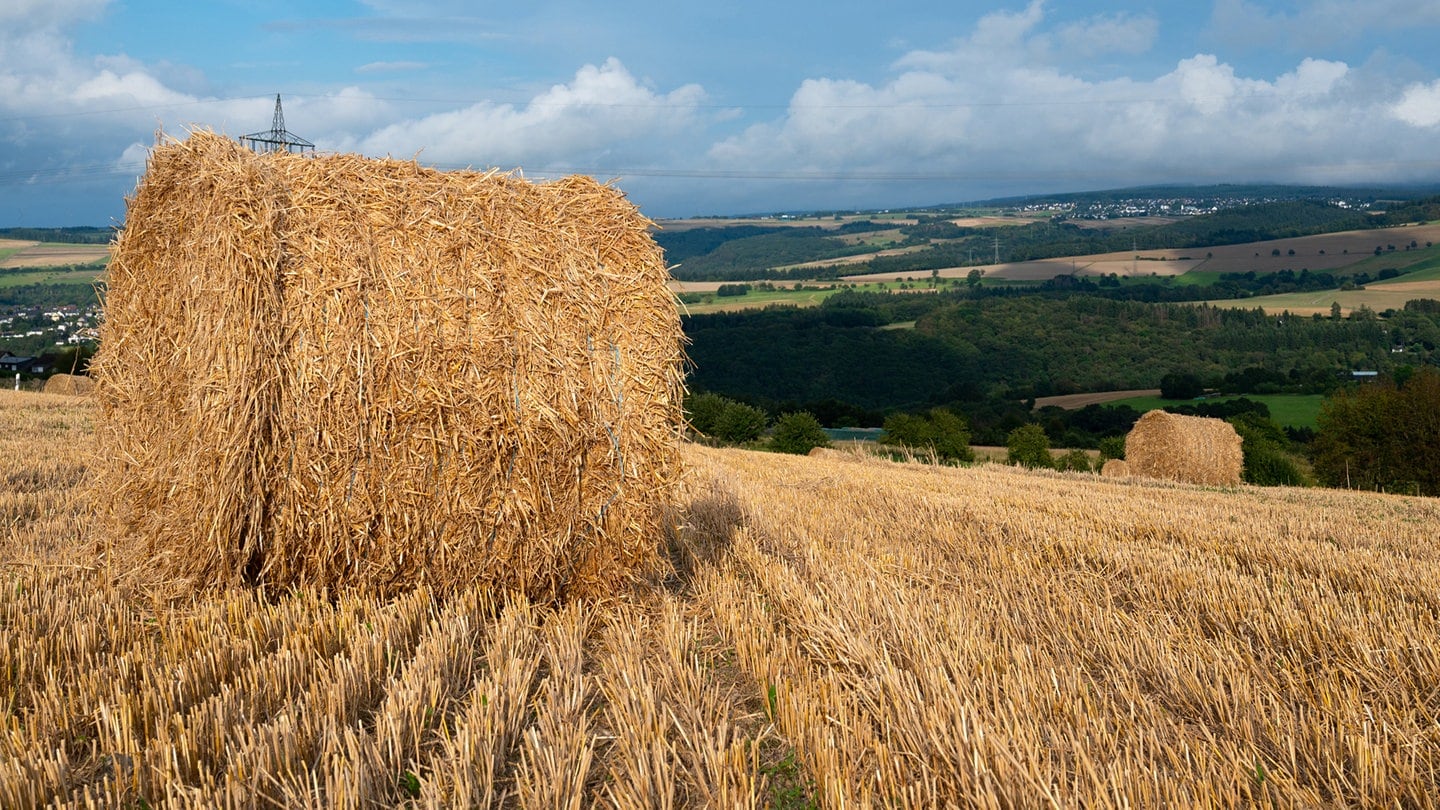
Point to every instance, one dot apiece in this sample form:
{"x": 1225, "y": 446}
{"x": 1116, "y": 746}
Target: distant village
{"x": 1161, "y": 206}
{"x": 38, "y": 336}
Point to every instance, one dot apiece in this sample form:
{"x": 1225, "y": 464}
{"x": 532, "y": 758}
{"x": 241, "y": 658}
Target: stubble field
{"x": 834, "y": 631}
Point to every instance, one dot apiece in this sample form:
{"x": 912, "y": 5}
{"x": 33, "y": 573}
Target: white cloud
{"x": 1419, "y": 106}
{"x": 604, "y": 114}
{"x": 992, "y": 110}
{"x": 134, "y": 88}
{"x": 133, "y": 158}
{"x": 21, "y": 16}
{"x": 1010, "y": 106}
{"x": 1314, "y": 77}
{"x": 998, "y": 37}
{"x": 1123, "y": 33}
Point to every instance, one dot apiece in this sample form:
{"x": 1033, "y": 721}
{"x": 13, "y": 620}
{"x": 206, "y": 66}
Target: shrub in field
{"x": 725, "y": 419}
{"x": 798, "y": 433}
{"x": 1112, "y": 447}
{"x": 940, "y": 430}
{"x": 703, "y": 411}
{"x": 740, "y": 423}
{"x": 1028, "y": 446}
{"x": 1181, "y": 385}
{"x": 1075, "y": 460}
{"x": 1265, "y": 446}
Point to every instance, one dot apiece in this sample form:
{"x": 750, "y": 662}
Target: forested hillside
{"x": 962, "y": 349}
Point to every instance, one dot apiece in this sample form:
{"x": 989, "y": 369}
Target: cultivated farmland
{"x": 22, "y": 253}
{"x": 1379, "y": 296}
{"x": 841, "y": 630}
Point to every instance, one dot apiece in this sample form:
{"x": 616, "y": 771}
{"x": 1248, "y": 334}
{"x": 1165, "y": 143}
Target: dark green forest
{"x": 961, "y": 349}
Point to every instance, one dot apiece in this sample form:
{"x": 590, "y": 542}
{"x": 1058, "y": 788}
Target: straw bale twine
{"x": 74, "y": 385}
{"x": 1189, "y": 449}
{"x": 1115, "y": 468}
{"x": 355, "y": 373}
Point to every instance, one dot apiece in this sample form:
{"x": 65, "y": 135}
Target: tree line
{"x": 80, "y": 235}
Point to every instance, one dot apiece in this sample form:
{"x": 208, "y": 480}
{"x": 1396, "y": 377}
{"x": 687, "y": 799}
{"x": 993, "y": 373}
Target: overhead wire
{"x": 72, "y": 172}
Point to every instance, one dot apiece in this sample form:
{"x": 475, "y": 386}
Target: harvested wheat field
{"x": 846, "y": 633}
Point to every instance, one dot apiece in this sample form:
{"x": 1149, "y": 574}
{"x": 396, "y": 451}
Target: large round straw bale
{"x": 74, "y": 385}
{"x": 1115, "y": 468}
{"x": 345, "y": 372}
{"x": 1190, "y": 449}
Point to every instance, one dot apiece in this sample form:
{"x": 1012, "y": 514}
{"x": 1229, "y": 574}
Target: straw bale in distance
{"x": 74, "y": 385}
{"x": 1115, "y": 468}
{"x": 358, "y": 373}
{"x": 1189, "y": 449}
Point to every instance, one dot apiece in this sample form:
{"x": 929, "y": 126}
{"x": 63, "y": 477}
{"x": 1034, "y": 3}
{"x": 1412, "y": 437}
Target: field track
{"x": 838, "y": 629}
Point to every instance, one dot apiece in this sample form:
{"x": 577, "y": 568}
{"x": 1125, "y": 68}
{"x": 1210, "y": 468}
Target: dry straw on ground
{"x": 347, "y": 372}
{"x": 75, "y": 385}
{"x": 1189, "y": 449}
{"x": 1115, "y": 468}
{"x": 831, "y": 634}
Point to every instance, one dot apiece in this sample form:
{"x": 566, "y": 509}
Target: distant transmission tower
{"x": 277, "y": 138}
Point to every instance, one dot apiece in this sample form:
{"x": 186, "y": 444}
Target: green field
{"x": 808, "y": 297}
{"x": 1423, "y": 259}
{"x": 21, "y": 276}
{"x": 1427, "y": 270}
{"x": 1287, "y": 410}
{"x": 1422, "y": 280}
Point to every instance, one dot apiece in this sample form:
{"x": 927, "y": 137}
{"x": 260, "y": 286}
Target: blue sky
{"x": 739, "y": 107}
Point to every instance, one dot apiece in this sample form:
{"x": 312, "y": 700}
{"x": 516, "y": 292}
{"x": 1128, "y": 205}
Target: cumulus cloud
{"x": 988, "y": 114}
{"x": 21, "y": 16}
{"x": 999, "y": 37}
{"x": 134, "y": 87}
{"x": 1419, "y": 106}
{"x": 1122, "y": 33}
{"x": 604, "y": 114}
